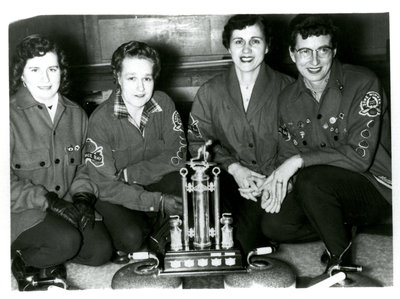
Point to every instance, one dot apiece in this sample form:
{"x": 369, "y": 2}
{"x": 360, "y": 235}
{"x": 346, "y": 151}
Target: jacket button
{"x": 72, "y": 160}
{"x": 323, "y": 144}
{"x": 18, "y": 166}
{"x": 42, "y": 163}
{"x": 319, "y": 116}
{"x": 58, "y": 188}
{"x": 40, "y": 107}
{"x": 253, "y": 162}
{"x": 251, "y": 145}
{"x": 304, "y": 142}
{"x": 336, "y": 138}
{"x": 57, "y": 161}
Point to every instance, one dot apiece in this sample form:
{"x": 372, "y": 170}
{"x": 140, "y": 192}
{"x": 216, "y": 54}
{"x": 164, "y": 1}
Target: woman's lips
{"x": 246, "y": 59}
{"x": 314, "y": 70}
{"x": 45, "y": 87}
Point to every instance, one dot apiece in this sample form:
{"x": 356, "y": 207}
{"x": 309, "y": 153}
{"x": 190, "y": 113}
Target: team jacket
{"x": 218, "y": 114}
{"x": 122, "y": 160}
{"x": 349, "y": 128}
{"x": 44, "y": 157}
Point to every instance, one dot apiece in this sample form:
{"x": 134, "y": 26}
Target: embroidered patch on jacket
{"x": 180, "y": 153}
{"x": 360, "y": 151}
{"x": 283, "y": 130}
{"x": 193, "y": 127}
{"x": 365, "y": 133}
{"x": 94, "y": 153}
{"x": 178, "y": 127}
{"x": 176, "y": 120}
{"x": 371, "y": 104}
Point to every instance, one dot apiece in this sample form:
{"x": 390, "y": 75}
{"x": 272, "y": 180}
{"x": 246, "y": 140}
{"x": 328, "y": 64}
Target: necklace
{"x": 246, "y": 90}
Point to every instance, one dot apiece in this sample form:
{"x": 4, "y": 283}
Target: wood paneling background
{"x": 190, "y": 45}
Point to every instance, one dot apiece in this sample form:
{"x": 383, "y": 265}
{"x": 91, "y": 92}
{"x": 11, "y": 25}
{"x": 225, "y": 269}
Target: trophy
{"x": 202, "y": 243}
{"x": 198, "y": 247}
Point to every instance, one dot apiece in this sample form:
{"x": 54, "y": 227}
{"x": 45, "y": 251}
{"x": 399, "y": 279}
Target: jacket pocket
{"x": 74, "y": 156}
{"x": 30, "y": 160}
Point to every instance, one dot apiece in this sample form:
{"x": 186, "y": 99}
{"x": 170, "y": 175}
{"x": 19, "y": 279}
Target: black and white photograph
{"x": 200, "y": 149}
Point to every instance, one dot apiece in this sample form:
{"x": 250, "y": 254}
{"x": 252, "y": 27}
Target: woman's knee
{"x": 58, "y": 248}
{"x": 309, "y": 180}
{"x": 101, "y": 254}
{"x": 271, "y": 227}
{"x": 97, "y": 253}
{"x": 129, "y": 239}
{"x": 68, "y": 243}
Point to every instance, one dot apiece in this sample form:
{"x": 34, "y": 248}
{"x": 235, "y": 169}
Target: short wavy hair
{"x": 311, "y": 25}
{"x": 134, "y": 49}
{"x": 239, "y": 22}
{"x": 35, "y": 46}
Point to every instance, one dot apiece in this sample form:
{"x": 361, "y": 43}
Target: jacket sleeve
{"x": 24, "y": 194}
{"x": 172, "y": 157}
{"x": 357, "y": 150}
{"x": 100, "y": 167}
{"x": 201, "y": 129}
{"x": 82, "y": 181}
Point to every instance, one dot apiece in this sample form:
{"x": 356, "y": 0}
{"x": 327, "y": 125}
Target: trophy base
{"x": 203, "y": 261}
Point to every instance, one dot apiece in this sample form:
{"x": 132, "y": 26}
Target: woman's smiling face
{"x": 248, "y": 48}
{"x": 315, "y": 69}
{"x": 42, "y": 76}
{"x": 136, "y": 80}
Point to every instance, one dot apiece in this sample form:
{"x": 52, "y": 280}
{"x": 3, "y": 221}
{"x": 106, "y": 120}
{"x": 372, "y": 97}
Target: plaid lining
{"x": 120, "y": 110}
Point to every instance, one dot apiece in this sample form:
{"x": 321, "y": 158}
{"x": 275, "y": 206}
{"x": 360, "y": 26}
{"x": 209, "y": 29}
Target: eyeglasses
{"x": 307, "y": 53}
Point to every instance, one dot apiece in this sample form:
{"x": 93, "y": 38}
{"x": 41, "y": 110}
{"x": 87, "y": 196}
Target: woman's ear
{"x": 292, "y": 55}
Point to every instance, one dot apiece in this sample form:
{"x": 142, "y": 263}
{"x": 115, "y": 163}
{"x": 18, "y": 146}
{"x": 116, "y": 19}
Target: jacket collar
{"x": 120, "y": 110}
{"x": 260, "y": 88}
{"x": 24, "y": 99}
{"x": 335, "y": 80}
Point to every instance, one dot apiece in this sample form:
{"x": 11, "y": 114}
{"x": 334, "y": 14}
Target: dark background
{"x": 190, "y": 47}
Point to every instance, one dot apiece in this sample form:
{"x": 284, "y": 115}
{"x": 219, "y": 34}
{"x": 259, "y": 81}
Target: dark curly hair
{"x": 239, "y": 22}
{"x": 35, "y": 46}
{"x": 311, "y": 25}
{"x": 135, "y": 49}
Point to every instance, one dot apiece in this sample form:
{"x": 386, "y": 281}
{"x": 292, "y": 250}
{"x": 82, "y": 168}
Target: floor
{"x": 374, "y": 252}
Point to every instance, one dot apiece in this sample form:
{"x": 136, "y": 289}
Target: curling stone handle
{"x": 260, "y": 251}
{"x": 49, "y": 282}
{"x": 336, "y": 268}
{"x": 330, "y": 281}
{"x": 144, "y": 256}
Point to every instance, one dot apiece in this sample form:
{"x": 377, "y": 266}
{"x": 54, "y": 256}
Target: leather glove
{"x": 171, "y": 205}
{"x": 84, "y": 203}
{"x": 63, "y": 209}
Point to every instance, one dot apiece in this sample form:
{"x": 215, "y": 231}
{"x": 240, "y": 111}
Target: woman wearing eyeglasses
{"x": 237, "y": 110}
{"x": 334, "y": 145}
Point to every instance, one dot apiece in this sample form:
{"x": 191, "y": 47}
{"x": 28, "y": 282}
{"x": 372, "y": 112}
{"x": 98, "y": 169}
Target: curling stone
{"x": 136, "y": 276}
{"x": 263, "y": 272}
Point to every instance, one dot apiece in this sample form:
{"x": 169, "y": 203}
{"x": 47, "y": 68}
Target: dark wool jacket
{"x": 121, "y": 161}
{"x": 44, "y": 157}
{"x": 349, "y": 127}
{"x": 247, "y": 137}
